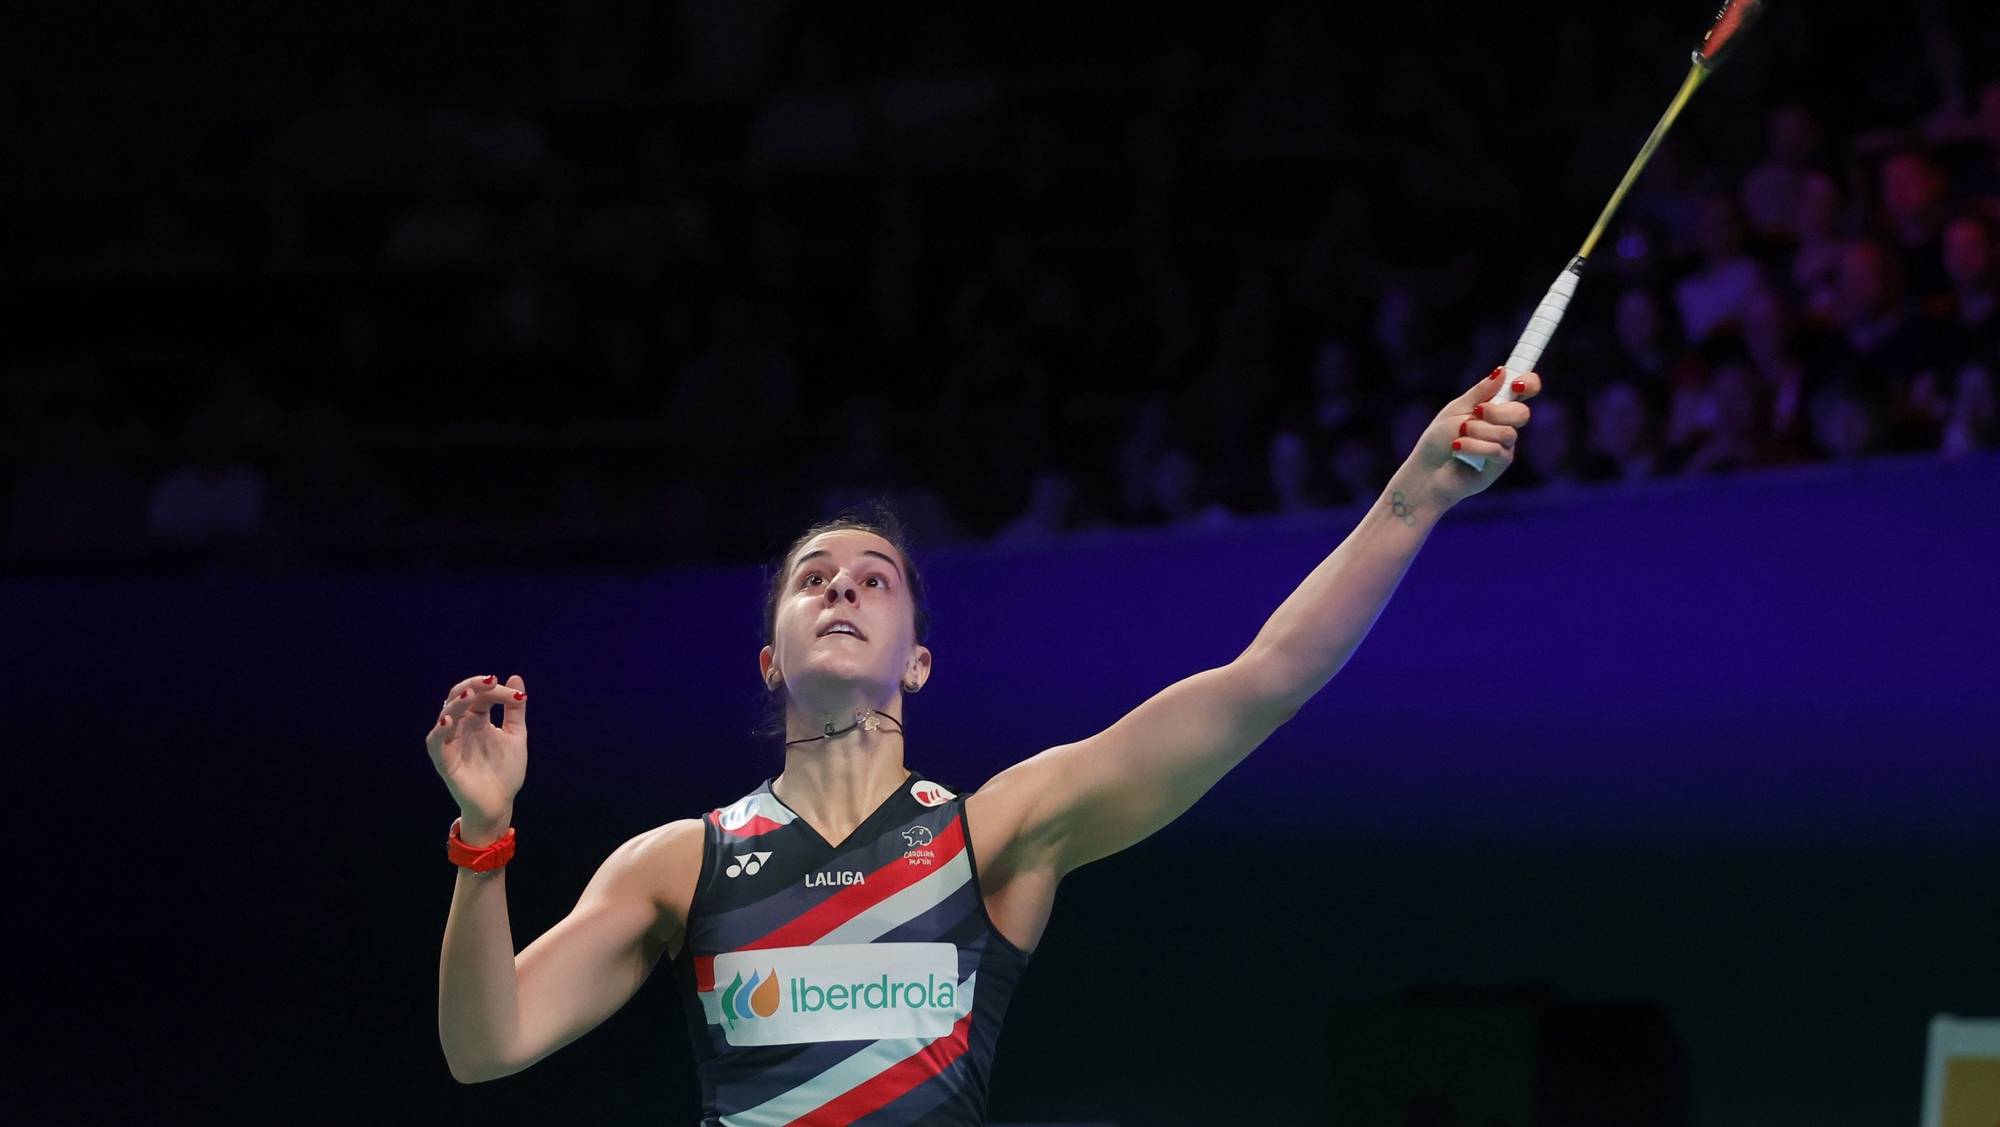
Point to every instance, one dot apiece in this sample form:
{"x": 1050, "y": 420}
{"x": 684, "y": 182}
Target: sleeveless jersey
{"x": 860, "y": 983}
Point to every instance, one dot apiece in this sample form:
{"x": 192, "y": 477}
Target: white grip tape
{"x": 1534, "y": 338}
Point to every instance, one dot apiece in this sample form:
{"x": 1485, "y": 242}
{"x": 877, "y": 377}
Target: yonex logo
{"x": 747, "y": 863}
{"x": 757, "y": 998}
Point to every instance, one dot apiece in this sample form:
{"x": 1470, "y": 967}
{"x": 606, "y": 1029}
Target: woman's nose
{"x": 835, "y": 592}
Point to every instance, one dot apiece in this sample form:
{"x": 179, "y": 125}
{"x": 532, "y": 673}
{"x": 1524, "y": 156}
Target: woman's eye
{"x": 810, "y": 578}
{"x": 878, "y": 581}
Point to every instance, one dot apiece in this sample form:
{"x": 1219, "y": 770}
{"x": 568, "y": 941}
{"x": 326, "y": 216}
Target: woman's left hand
{"x": 1472, "y": 424}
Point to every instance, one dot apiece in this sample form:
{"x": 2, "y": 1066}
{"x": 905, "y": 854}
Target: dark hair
{"x": 876, "y": 516}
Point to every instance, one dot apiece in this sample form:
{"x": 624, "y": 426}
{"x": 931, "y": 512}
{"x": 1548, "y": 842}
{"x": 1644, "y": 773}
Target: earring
{"x": 774, "y": 680}
{"x": 911, "y": 686}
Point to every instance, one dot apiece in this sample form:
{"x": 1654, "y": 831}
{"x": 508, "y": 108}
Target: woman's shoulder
{"x": 666, "y": 860}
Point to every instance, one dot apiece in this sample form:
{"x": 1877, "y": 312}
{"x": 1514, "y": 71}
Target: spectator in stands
{"x": 1774, "y": 190}
{"x": 1182, "y": 495}
{"x": 1736, "y": 438}
{"x": 1621, "y": 444}
{"x": 1912, "y": 202}
{"x": 1971, "y": 424}
{"x": 1359, "y": 462}
{"x": 1771, "y": 347}
{"x": 1550, "y": 456}
{"x": 1051, "y": 510}
{"x": 1290, "y": 481}
{"x": 1878, "y": 343}
{"x": 1711, "y": 297}
{"x": 1843, "y": 420}
{"x": 1972, "y": 261}
{"x": 1815, "y": 262}
{"x": 1336, "y": 401}
{"x": 1649, "y": 347}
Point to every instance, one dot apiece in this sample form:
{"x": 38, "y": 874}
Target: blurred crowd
{"x": 705, "y": 272}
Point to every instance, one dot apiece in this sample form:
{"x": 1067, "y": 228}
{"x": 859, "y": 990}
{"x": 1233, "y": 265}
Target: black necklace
{"x": 866, "y": 719}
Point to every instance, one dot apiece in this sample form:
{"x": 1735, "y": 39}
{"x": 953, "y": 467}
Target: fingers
{"x": 1491, "y": 451}
{"x": 1503, "y": 414}
{"x": 1490, "y": 432}
{"x": 514, "y": 717}
{"x": 472, "y": 700}
{"x": 1501, "y": 385}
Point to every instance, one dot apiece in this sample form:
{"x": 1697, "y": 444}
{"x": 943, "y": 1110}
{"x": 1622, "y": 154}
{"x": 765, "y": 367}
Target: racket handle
{"x": 1534, "y": 338}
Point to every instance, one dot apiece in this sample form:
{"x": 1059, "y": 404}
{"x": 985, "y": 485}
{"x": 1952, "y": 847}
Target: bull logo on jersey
{"x": 930, "y": 794}
{"x": 757, "y": 998}
{"x": 917, "y": 836}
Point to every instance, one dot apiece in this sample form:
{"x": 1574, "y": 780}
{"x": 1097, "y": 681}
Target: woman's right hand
{"x": 483, "y": 766}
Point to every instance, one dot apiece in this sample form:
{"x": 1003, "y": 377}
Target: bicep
{"x": 583, "y": 969}
{"x": 1087, "y": 800}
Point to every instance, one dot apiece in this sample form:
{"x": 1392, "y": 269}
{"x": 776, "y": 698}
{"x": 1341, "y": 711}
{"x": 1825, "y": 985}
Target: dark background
{"x": 307, "y": 420}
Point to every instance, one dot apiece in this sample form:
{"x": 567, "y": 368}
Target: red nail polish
{"x": 440, "y": 721}
{"x": 1456, "y": 444}
{"x": 1479, "y": 412}
{"x": 463, "y": 693}
{"x": 1520, "y": 386}
{"x": 489, "y": 680}
{"x": 520, "y": 696}
{"x": 1462, "y": 426}
{"x": 1495, "y": 373}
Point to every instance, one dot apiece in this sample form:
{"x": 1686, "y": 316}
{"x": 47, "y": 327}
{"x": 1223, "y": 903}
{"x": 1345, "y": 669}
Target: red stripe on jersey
{"x": 704, "y": 973}
{"x": 873, "y": 1094}
{"x": 758, "y": 824}
{"x": 855, "y": 899}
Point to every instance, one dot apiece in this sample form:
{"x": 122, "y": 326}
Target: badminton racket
{"x": 1730, "y": 23}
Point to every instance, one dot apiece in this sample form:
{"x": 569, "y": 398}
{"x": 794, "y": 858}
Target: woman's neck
{"x": 835, "y": 783}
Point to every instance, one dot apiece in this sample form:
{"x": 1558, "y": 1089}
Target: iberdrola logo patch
{"x": 747, "y": 1001}
{"x": 839, "y": 992}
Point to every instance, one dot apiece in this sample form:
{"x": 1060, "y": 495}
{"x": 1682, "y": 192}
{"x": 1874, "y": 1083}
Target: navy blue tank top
{"x": 861, "y": 983}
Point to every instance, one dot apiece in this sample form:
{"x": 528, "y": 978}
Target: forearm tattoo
{"x": 1404, "y": 511}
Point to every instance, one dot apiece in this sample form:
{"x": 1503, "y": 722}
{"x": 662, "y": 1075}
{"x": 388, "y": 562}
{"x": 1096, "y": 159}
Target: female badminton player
{"x": 845, "y": 937}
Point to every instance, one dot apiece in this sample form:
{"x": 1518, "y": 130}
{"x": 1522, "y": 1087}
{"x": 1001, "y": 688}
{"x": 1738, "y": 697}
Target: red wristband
{"x": 484, "y": 859}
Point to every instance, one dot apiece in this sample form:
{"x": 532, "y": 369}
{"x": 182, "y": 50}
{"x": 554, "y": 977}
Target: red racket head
{"x": 1731, "y": 22}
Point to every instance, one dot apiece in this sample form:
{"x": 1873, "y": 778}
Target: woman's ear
{"x": 919, "y": 670}
{"x": 767, "y": 667}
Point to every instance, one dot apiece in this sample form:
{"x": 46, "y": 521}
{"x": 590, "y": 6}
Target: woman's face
{"x": 854, "y": 577}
